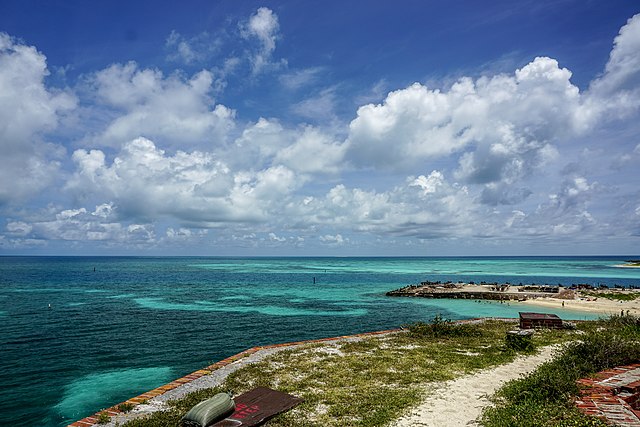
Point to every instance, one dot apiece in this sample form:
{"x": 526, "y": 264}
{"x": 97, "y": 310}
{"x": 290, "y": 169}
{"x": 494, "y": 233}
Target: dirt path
{"x": 459, "y": 402}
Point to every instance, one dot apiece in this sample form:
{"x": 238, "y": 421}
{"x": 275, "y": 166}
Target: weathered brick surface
{"x": 613, "y": 395}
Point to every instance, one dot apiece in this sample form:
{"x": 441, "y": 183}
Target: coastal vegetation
{"x": 367, "y": 382}
{"x": 543, "y": 398}
{"x": 103, "y": 418}
{"x": 373, "y": 381}
{"x": 125, "y": 407}
{"x": 616, "y": 296}
{"x": 440, "y": 327}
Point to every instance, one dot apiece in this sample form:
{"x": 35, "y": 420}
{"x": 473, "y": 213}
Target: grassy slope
{"x": 369, "y": 382}
{"x": 543, "y": 398}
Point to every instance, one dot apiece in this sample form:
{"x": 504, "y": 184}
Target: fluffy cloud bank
{"x": 619, "y": 85}
{"x": 27, "y": 111}
{"x": 81, "y": 225}
{"x": 501, "y": 124}
{"x": 501, "y": 129}
{"x": 167, "y": 163}
{"x": 146, "y": 183}
{"x": 507, "y": 121}
{"x": 423, "y": 207}
{"x": 174, "y": 110}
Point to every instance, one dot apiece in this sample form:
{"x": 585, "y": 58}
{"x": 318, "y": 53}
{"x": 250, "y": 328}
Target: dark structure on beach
{"x": 539, "y": 320}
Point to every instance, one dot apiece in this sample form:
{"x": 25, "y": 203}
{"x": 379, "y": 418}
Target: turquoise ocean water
{"x": 120, "y": 326}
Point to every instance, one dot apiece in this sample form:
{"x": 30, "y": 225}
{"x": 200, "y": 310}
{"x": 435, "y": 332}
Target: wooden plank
{"x": 258, "y": 406}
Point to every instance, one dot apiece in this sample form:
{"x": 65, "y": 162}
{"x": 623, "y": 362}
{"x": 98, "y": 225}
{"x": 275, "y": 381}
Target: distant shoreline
{"x": 629, "y": 265}
{"x": 590, "y": 300}
{"x": 599, "y": 305}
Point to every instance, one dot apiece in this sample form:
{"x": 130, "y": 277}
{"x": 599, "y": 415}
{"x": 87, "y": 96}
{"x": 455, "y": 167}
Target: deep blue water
{"x": 136, "y": 323}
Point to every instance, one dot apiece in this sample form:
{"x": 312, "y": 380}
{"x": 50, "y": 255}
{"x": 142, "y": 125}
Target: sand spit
{"x": 588, "y": 304}
{"x": 586, "y": 300}
{"x": 460, "y": 402}
{"x": 448, "y": 290}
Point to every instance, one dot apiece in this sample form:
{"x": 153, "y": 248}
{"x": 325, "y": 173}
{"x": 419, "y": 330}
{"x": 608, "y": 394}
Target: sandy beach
{"x": 630, "y": 265}
{"x": 591, "y": 300}
{"x": 593, "y": 305}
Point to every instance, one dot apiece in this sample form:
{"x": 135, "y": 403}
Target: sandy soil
{"x": 459, "y": 402}
{"x": 584, "y": 303}
{"x": 601, "y": 305}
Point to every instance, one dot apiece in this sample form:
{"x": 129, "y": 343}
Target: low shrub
{"x": 126, "y": 407}
{"x": 103, "y": 418}
{"x": 440, "y": 327}
{"x": 517, "y": 342}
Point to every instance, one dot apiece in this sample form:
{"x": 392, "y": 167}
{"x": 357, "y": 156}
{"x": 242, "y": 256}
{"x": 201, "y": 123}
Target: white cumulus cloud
{"x": 145, "y": 182}
{"x": 313, "y": 152}
{"x": 335, "y": 240}
{"x": 621, "y": 76}
{"x": 505, "y": 122}
{"x": 79, "y": 225}
{"x": 264, "y": 27}
{"x": 424, "y": 207}
{"x": 173, "y": 110}
{"x": 28, "y": 109}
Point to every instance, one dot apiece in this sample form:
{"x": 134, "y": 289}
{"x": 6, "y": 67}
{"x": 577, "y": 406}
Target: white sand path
{"x": 459, "y": 402}
{"x": 601, "y": 305}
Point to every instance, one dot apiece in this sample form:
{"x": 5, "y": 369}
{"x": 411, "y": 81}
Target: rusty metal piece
{"x": 258, "y": 406}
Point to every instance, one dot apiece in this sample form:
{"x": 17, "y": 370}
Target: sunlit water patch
{"x": 271, "y": 310}
{"x": 121, "y": 296}
{"x": 97, "y": 390}
{"x": 500, "y": 267}
{"x": 235, "y": 298}
{"x": 485, "y": 308}
{"x": 45, "y": 290}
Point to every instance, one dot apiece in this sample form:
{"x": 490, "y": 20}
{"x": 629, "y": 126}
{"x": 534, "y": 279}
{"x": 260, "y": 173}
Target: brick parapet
{"x": 612, "y": 395}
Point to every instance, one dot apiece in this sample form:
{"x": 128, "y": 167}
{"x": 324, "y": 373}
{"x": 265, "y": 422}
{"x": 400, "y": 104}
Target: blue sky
{"x": 319, "y": 128}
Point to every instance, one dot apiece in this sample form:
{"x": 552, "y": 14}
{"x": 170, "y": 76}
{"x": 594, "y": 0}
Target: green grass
{"x": 103, "y": 418}
{"x": 369, "y": 382}
{"x": 126, "y": 407}
{"x": 441, "y": 328}
{"x": 543, "y": 398}
{"x": 616, "y": 296}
